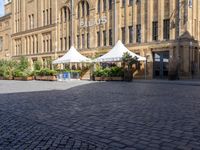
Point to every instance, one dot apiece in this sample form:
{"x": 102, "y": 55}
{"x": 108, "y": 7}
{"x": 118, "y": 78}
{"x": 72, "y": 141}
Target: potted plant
{"x": 25, "y": 75}
{"x": 46, "y": 74}
{"x": 116, "y": 74}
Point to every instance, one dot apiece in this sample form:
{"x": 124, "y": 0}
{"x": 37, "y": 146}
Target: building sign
{"x": 100, "y": 21}
{"x": 190, "y": 3}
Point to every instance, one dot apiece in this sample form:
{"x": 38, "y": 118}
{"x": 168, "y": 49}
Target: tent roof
{"x": 72, "y": 56}
{"x": 116, "y": 54}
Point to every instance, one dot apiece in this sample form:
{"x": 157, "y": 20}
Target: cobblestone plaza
{"x": 81, "y": 115}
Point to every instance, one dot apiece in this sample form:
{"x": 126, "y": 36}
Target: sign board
{"x": 90, "y": 23}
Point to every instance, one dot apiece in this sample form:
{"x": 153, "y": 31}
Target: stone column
{"x": 126, "y": 24}
{"x": 72, "y": 23}
{"x": 116, "y": 21}
{"x": 160, "y": 19}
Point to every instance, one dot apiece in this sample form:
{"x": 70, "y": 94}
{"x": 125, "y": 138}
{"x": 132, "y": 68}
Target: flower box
{"x": 8, "y": 78}
{"x": 116, "y": 78}
{"x": 23, "y": 78}
{"x": 106, "y": 79}
{"x": 46, "y": 78}
{"x": 98, "y": 78}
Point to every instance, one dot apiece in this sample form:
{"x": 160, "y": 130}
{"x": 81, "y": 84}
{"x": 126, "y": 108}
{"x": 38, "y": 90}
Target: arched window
{"x": 83, "y": 9}
{"x": 79, "y": 11}
{"x": 65, "y": 14}
{"x": 88, "y": 9}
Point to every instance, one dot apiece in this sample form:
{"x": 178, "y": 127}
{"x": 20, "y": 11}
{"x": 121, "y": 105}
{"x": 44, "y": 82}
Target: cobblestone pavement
{"x": 100, "y": 115}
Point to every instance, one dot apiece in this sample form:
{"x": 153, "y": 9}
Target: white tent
{"x": 116, "y": 54}
{"x": 72, "y": 56}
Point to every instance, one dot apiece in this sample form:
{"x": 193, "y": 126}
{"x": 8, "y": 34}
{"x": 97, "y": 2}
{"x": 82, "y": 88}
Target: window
{"x": 65, "y": 14}
{"x": 50, "y": 16}
{"x": 104, "y": 38}
{"x": 123, "y": 3}
{"x": 83, "y": 9}
{"x": 79, "y": 11}
{"x": 47, "y": 16}
{"x": 65, "y": 40}
{"x": 83, "y": 40}
{"x": 166, "y": 29}
{"x": 69, "y": 41}
{"x": 88, "y": 8}
{"x": 130, "y": 2}
{"x": 110, "y": 4}
{"x": 123, "y": 35}
{"x": 104, "y": 5}
{"x": 155, "y": 31}
{"x": 98, "y": 39}
{"x": 138, "y": 33}
{"x": 43, "y": 18}
{"x": 130, "y": 34}
{"x": 44, "y": 47}
{"x": 110, "y": 37}
{"x": 1, "y": 43}
{"x": 99, "y": 6}
{"x": 78, "y": 41}
{"x": 61, "y": 44}
{"x": 88, "y": 40}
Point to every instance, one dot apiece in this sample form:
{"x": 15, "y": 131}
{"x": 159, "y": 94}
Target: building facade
{"x": 166, "y": 32}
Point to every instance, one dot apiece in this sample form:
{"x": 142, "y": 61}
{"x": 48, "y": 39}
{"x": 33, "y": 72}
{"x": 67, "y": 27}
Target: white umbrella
{"x": 72, "y": 56}
{"x": 116, "y": 54}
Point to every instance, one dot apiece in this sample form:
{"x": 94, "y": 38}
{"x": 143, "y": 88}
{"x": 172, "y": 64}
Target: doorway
{"x": 161, "y": 65}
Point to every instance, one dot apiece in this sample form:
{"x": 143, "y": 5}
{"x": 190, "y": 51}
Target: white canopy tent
{"x": 72, "y": 56}
{"x": 116, "y": 54}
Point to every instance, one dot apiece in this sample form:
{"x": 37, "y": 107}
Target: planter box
{"x": 9, "y": 78}
{"x": 46, "y": 78}
{"x": 98, "y": 78}
{"x": 23, "y": 78}
{"x": 116, "y": 78}
{"x": 108, "y": 79}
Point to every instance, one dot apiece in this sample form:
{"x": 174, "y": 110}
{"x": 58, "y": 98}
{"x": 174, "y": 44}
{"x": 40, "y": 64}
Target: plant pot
{"x": 1, "y": 78}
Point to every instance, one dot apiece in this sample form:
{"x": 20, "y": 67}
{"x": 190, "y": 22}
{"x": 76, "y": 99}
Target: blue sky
{"x": 1, "y": 8}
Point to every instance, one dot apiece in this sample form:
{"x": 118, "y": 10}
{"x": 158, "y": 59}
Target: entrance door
{"x": 161, "y": 64}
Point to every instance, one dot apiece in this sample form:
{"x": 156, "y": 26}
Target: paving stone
{"x": 99, "y": 115}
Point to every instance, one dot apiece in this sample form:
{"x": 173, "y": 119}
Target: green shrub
{"x": 46, "y": 72}
{"x": 37, "y": 65}
{"x": 109, "y": 72}
{"x": 23, "y": 64}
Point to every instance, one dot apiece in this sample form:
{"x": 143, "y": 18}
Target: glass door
{"x": 161, "y": 64}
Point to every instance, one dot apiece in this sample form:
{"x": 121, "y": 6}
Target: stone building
{"x": 167, "y": 32}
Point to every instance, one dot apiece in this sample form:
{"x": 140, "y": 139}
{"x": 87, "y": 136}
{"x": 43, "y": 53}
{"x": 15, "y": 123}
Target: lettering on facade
{"x": 90, "y": 23}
